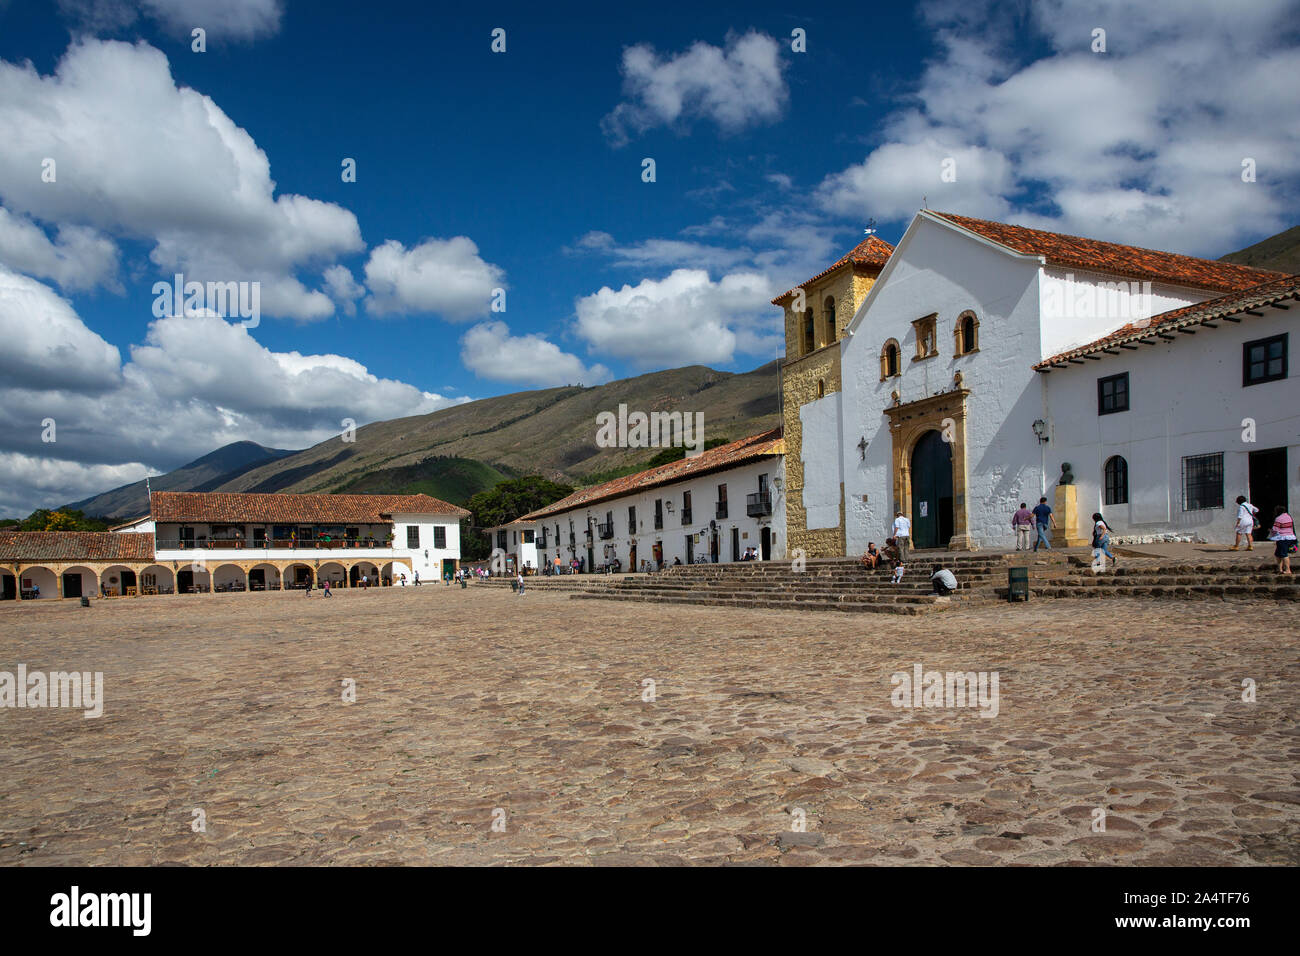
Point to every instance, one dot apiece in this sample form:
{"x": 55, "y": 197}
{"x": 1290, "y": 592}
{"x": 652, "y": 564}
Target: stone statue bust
{"x": 1067, "y": 476}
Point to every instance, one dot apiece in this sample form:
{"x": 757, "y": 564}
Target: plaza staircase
{"x": 1163, "y": 580}
{"x": 842, "y": 584}
{"x": 828, "y": 584}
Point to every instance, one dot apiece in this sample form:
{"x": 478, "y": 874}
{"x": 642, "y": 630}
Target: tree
{"x": 43, "y": 519}
{"x": 508, "y": 500}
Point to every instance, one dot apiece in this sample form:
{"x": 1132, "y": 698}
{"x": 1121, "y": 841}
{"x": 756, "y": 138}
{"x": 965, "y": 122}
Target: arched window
{"x": 967, "y": 333}
{"x": 1116, "y": 474}
{"x": 809, "y": 332}
{"x": 821, "y": 388}
{"x": 889, "y": 360}
{"x": 830, "y": 319}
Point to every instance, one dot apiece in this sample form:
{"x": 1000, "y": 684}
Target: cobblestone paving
{"x": 473, "y": 700}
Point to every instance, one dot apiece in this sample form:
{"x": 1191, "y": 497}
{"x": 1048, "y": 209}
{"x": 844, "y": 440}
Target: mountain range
{"x": 456, "y": 452}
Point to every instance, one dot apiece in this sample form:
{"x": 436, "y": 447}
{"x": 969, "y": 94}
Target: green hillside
{"x": 452, "y": 479}
{"x": 549, "y": 432}
{"x": 1280, "y": 253}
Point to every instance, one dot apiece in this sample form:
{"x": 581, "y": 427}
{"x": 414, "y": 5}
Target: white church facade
{"x": 962, "y": 396}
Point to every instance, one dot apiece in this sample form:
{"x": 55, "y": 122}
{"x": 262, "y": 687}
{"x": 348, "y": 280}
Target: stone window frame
{"x": 962, "y": 347}
{"x": 926, "y": 328}
{"x": 809, "y": 334}
{"x": 821, "y": 388}
{"x": 828, "y": 307}
{"x": 884, "y": 360}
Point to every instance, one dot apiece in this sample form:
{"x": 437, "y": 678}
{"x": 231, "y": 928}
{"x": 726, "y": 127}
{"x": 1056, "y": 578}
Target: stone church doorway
{"x": 932, "y": 491}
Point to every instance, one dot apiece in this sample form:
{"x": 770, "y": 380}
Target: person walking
{"x": 1022, "y": 523}
{"x": 1282, "y": 534}
{"x": 1044, "y": 520}
{"x": 902, "y": 535}
{"x": 1247, "y": 522}
{"x": 326, "y": 588}
{"x": 417, "y": 579}
{"x": 520, "y": 576}
{"x": 1101, "y": 540}
{"x": 944, "y": 581}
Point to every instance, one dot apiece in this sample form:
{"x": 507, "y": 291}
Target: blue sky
{"x": 522, "y": 170}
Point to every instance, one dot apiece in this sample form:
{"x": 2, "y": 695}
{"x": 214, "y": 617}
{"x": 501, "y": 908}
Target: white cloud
{"x": 343, "y": 288}
{"x": 31, "y": 482}
{"x": 140, "y": 158}
{"x": 739, "y": 86}
{"x": 194, "y": 384}
{"x": 236, "y": 19}
{"x": 47, "y": 345}
{"x": 239, "y": 19}
{"x": 1143, "y": 143}
{"x": 490, "y": 351}
{"x": 661, "y": 253}
{"x": 79, "y": 258}
{"x": 682, "y": 319}
{"x": 443, "y": 276}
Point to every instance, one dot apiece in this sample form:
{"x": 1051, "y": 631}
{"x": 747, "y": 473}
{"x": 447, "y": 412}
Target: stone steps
{"x": 792, "y": 603}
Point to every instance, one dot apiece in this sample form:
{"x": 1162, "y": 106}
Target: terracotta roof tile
{"x": 74, "y": 546}
{"x": 871, "y": 251}
{"x": 291, "y": 509}
{"x": 1256, "y": 297}
{"x": 1115, "y": 259}
{"x": 724, "y": 456}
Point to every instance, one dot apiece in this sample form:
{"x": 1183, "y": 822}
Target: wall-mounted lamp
{"x": 862, "y": 447}
{"x": 1040, "y": 430}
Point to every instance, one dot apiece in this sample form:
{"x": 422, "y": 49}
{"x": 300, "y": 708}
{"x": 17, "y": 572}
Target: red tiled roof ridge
{"x": 1258, "y": 296}
{"x": 736, "y": 452}
{"x": 259, "y": 508}
{"x": 870, "y": 251}
{"x": 73, "y": 546}
{"x": 1116, "y": 258}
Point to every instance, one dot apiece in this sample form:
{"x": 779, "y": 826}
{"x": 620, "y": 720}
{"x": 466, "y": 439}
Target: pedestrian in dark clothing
{"x": 1044, "y": 520}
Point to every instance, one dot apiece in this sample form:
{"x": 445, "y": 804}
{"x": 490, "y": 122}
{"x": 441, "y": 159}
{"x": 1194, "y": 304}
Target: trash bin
{"x": 514, "y": 585}
{"x": 85, "y": 601}
{"x": 464, "y": 583}
{"x": 1017, "y": 584}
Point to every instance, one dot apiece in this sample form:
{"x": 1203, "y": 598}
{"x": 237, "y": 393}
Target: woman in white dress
{"x": 1245, "y": 524}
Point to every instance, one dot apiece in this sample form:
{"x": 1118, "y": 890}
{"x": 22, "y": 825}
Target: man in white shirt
{"x": 943, "y": 580}
{"x": 902, "y": 536}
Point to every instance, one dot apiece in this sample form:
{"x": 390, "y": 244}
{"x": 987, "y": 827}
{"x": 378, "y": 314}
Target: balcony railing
{"x": 722, "y": 510}
{"x": 211, "y": 544}
{"x": 605, "y": 530}
{"x": 759, "y": 504}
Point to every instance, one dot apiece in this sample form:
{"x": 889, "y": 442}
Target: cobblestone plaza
{"x": 770, "y": 739}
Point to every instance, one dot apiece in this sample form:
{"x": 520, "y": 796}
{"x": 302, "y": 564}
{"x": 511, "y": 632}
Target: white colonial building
{"x": 203, "y": 541}
{"x": 942, "y": 414}
{"x": 713, "y": 507}
{"x": 1166, "y": 422}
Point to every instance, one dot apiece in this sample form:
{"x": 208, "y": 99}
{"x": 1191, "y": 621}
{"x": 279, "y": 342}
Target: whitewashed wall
{"x": 1186, "y": 398}
{"x": 937, "y": 270}
{"x": 1079, "y": 307}
{"x": 820, "y": 421}
{"x": 740, "y": 482}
